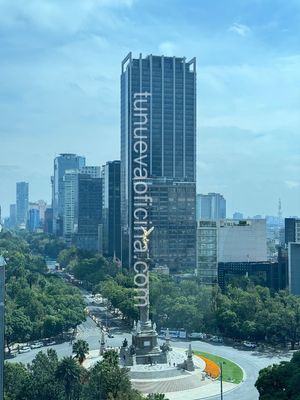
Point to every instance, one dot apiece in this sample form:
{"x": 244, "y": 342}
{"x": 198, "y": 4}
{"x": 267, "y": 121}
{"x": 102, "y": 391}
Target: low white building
{"x": 230, "y": 241}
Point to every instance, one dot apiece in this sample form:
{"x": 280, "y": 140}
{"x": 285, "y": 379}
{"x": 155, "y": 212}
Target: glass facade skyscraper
{"x": 22, "y": 202}
{"x": 62, "y": 163}
{"x": 111, "y": 209}
{"x": 89, "y": 214}
{"x": 211, "y": 206}
{"x": 171, "y": 142}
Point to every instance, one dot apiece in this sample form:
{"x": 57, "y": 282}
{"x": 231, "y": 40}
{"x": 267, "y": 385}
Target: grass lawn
{"x": 231, "y": 371}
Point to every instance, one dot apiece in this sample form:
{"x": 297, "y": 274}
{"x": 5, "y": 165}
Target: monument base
{"x": 144, "y": 348}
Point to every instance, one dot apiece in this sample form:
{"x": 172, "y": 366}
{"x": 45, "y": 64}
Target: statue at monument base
{"x": 188, "y": 364}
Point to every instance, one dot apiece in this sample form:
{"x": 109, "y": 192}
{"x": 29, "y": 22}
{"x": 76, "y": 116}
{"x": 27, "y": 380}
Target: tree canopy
{"x": 37, "y": 305}
{"x": 280, "y": 381}
{"x": 48, "y": 378}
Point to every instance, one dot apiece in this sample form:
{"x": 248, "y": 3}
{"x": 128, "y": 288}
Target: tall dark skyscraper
{"x": 292, "y": 230}
{"x": 169, "y": 85}
{"x": 111, "y": 209}
{"x": 89, "y": 214}
{"x": 22, "y": 202}
{"x": 48, "y": 220}
{"x": 62, "y": 163}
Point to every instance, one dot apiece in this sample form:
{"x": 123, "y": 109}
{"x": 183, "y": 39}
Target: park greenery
{"x": 243, "y": 311}
{"x": 280, "y": 381}
{"x": 49, "y": 378}
{"x": 38, "y": 305}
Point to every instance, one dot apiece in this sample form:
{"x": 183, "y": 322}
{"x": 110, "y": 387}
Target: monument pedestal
{"x": 144, "y": 348}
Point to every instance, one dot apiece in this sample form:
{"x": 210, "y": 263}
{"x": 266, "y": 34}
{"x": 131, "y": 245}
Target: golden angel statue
{"x": 146, "y": 234}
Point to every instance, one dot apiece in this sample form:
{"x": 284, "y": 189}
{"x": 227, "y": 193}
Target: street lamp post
{"x": 221, "y": 379}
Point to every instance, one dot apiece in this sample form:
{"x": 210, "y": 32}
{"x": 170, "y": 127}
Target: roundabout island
{"x": 178, "y": 373}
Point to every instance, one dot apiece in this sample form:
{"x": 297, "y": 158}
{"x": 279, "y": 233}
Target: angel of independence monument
{"x": 144, "y": 348}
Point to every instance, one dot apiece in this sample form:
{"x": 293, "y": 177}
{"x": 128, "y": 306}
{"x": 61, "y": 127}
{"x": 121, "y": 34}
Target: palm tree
{"x": 68, "y": 373}
{"x": 81, "y": 349}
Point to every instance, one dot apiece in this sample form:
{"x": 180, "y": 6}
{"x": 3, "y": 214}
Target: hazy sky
{"x": 59, "y": 89}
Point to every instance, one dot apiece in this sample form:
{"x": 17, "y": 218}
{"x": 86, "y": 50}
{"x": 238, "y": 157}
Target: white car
{"x": 249, "y": 345}
{"x": 51, "y": 343}
{"x": 36, "y": 345}
{"x": 24, "y": 349}
{"x": 196, "y": 335}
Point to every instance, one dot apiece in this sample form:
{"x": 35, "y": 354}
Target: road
{"x": 250, "y": 361}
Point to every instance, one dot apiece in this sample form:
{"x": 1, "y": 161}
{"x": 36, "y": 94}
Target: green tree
{"x": 156, "y": 396}
{"x": 18, "y": 325}
{"x": 68, "y": 373}
{"x": 81, "y": 349}
{"x": 109, "y": 381}
{"x": 280, "y": 382}
{"x": 16, "y": 379}
{"x": 42, "y": 382}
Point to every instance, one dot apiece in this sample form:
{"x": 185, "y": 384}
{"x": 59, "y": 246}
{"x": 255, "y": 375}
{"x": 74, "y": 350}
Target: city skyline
{"x": 61, "y": 97}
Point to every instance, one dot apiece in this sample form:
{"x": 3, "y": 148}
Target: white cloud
{"x": 240, "y": 29}
{"x": 168, "y": 48}
{"x": 292, "y": 184}
{"x": 58, "y": 15}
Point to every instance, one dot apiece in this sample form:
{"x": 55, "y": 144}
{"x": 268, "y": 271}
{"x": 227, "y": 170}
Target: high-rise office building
{"x": 22, "y": 201}
{"x": 70, "y": 212}
{"x": 62, "y": 163}
{"x": 294, "y": 267}
{"x": 48, "y": 220}
{"x": 91, "y": 170}
{"x": 34, "y": 219}
{"x": 172, "y": 214}
{"x": 42, "y": 206}
{"x": 111, "y": 209}
{"x": 207, "y": 252}
{"x": 237, "y": 215}
{"x": 211, "y": 206}
{"x": 12, "y": 215}
{"x": 89, "y": 214}
{"x": 292, "y": 230}
{"x": 167, "y": 139}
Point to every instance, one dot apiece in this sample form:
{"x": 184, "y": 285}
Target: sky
{"x": 60, "y": 91}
